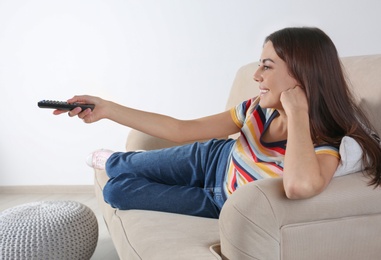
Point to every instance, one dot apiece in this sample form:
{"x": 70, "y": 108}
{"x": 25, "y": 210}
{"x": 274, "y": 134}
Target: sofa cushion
{"x": 351, "y": 157}
{"x": 160, "y": 235}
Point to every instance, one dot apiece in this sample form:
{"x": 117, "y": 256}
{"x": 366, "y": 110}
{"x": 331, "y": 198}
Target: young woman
{"x": 292, "y": 130}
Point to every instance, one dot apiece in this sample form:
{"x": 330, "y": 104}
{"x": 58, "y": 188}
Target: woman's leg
{"x": 177, "y": 180}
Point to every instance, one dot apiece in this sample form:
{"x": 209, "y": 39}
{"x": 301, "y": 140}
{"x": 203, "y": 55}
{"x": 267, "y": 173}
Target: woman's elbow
{"x": 297, "y": 191}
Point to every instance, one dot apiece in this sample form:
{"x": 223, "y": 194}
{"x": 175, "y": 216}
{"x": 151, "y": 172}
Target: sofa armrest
{"x": 259, "y": 222}
{"x": 137, "y": 140}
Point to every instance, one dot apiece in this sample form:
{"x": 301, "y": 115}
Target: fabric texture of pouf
{"x": 48, "y": 230}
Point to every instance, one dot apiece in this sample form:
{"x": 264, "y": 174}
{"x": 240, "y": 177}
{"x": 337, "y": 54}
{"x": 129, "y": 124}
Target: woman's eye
{"x": 263, "y": 67}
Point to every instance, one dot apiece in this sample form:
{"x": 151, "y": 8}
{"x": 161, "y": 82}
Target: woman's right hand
{"x": 88, "y": 115}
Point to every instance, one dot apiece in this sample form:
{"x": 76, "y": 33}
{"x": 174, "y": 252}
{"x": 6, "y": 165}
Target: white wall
{"x": 156, "y": 55}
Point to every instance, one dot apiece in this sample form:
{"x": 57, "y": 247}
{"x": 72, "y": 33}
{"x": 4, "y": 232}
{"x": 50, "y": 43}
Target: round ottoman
{"x": 48, "y": 230}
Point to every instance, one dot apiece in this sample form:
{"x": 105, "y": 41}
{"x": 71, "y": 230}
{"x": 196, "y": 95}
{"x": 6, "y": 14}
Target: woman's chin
{"x": 263, "y": 103}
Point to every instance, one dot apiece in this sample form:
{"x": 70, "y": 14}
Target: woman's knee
{"x": 120, "y": 192}
{"x": 113, "y": 195}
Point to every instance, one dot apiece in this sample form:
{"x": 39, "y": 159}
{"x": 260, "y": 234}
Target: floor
{"x": 105, "y": 248}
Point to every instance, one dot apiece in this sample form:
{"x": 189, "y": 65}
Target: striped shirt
{"x": 252, "y": 158}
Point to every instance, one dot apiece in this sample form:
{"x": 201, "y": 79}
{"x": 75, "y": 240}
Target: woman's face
{"x": 273, "y": 77}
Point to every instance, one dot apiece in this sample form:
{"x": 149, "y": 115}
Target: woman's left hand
{"x": 294, "y": 100}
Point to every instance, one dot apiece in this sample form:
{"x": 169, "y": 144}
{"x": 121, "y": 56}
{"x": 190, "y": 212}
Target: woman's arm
{"x": 305, "y": 174}
{"x": 162, "y": 126}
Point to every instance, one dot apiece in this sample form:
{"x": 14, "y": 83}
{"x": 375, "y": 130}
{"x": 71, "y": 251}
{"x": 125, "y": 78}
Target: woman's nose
{"x": 257, "y": 76}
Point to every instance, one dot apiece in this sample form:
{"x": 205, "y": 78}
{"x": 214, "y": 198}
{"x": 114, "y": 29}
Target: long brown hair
{"x": 312, "y": 59}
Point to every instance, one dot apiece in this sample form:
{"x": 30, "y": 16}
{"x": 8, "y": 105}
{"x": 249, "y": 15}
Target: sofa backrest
{"x": 244, "y": 86}
{"x": 363, "y": 74}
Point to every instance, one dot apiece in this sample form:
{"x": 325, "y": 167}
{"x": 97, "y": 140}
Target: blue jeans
{"x": 184, "y": 179}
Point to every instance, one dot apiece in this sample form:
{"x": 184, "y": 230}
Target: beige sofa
{"x": 258, "y": 221}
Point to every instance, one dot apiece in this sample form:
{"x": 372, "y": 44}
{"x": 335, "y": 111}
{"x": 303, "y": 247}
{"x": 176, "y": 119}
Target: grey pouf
{"x": 48, "y": 230}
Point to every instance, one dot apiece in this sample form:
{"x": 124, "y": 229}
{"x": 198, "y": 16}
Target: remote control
{"x": 63, "y": 105}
